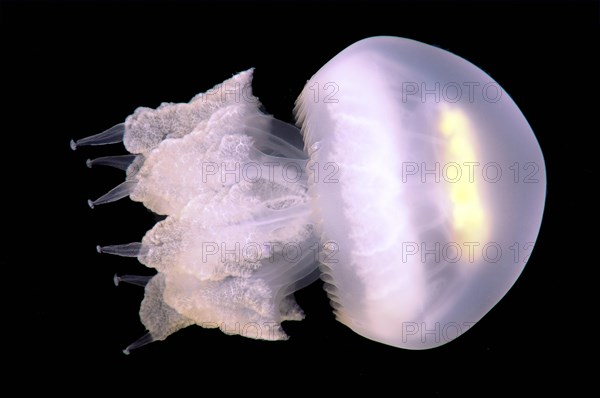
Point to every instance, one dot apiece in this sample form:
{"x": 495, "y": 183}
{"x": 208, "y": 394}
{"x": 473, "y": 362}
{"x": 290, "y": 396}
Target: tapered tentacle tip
{"x": 133, "y": 249}
{"x": 145, "y": 339}
{"x": 121, "y": 162}
{"x": 111, "y": 136}
{"x": 120, "y": 191}
{"x": 116, "y": 280}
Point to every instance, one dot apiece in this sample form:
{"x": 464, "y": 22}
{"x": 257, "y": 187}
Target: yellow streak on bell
{"x": 469, "y": 218}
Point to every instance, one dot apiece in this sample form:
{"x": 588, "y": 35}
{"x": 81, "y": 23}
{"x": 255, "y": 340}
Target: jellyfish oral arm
{"x": 234, "y": 196}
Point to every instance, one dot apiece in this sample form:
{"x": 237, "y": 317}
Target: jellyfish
{"x": 417, "y": 199}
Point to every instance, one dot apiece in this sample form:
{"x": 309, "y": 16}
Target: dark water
{"x": 71, "y": 70}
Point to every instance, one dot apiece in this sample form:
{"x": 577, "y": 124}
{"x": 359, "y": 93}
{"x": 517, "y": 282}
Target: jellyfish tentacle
{"x": 160, "y": 319}
{"x": 270, "y": 136}
{"x": 142, "y": 341}
{"x": 113, "y": 135}
{"x": 119, "y": 192}
{"x": 139, "y": 280}
{"x": 121, "y": 162}
{"x": 133, "y": 249}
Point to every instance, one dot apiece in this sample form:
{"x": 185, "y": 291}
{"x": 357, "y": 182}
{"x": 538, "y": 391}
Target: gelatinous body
{"x": 420, "y": 190}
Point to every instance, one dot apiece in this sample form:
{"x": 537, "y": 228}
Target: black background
{"x": 74, "y": 69}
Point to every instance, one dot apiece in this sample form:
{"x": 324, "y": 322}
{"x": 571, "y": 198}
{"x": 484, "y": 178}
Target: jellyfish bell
{"x": 420, "y": 191}
{"x": 439, "y": 192}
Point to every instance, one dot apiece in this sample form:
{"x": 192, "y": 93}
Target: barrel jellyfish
{"x": 417, "y": 199}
